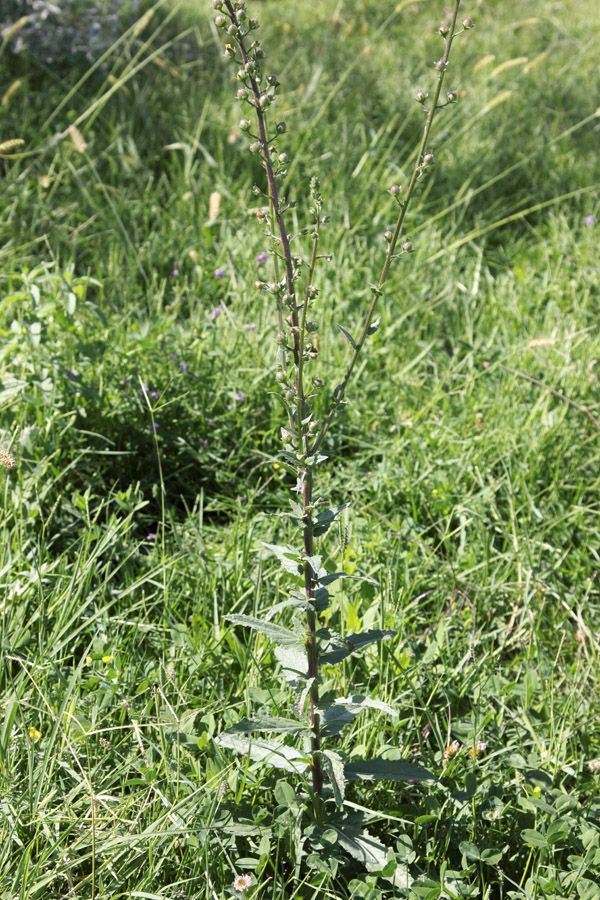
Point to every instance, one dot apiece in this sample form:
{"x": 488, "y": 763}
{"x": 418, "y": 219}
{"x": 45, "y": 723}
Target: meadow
{"x": 138, "y": 400}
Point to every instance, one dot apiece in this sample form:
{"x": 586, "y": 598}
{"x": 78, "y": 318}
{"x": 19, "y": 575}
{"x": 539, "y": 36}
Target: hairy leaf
{"x": 334, "y": 766}
{"x": 278, "y": 755}
{"x": 325, "y": 519}
{"x": 371, "y": 853}
{"x": 334, "y": 652}
{"x": 293, "y": 661}
{"x": 287, "y": 556}
{"x": 345, "y": 709}
{"x": 386, "y": 770}
{"x": 281, "y": 636}
{"x": 272, "y": 724}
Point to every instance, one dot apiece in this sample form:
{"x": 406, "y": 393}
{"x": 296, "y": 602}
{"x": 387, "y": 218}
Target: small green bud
{"x": 241, "y": 15}
{"x": 468, "y": 22}
{"x": 443, "y": 30}
{"x": 272, "y": 80}
{"x": 253, "y": 23}
{"x": 281, "y": 338}
{"x": 220, "y": 21}
{"x": 428, "y": 159}
{"x": 233, "y": 29}
{"x": 311, "y": 326}
{"x": 283, "y": 157}
{"x": 388, "y": 236}
{"x": 314, "y": 425}
{"x": 441, "y": 64}
{"x": 420, "y": 96}
{"x": 395, "y": 190}
{"x": 281, "y": 127}
{"x": 407, "y": 246}
{"x": 259, "y": 53}
{"x": 452, "y": 96}
{"x": 290, "y": 395}
{"x": 245, "y": 124}
{"x": 280, "y": 376}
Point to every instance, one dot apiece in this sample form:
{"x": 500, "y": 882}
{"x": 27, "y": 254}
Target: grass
{"x": 469, "y": 453}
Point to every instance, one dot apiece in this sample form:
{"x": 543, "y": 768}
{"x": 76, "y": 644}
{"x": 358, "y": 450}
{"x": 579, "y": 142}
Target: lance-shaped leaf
{"x": 347, "y": 334}
{"x": 334, "y": 652}
{"x": 270, "y": 724}
{"x": 288, "y": 557}
{"x": 333, "y": 576}
{"x": 386, "y": 770}
{"x": 293, "y": 661}
{"x": 281, "y": 636}
{"x": 334, "y": 767}
{"x": 278, "y": 755}
{"x": 345, "y": 709}
{"x": 325, "y": 518}
{"x": 371, "y": 853}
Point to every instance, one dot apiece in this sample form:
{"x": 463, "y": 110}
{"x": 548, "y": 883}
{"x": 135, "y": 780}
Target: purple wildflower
{"x": 71, "y": 375}
{"x": 183, "y": 366}
{"x": 215, "y": 313}
{"x": 127, "y": 383}
{"x": 251, "y": 326}
{"x": 262, "y": 257}
{"x": 242, "y": 883}
{"x": 173, "y": 355}
{"x": 240, "y": 396}
{"x": 590, "y": 220}
{"x": 230, "y": 406}
{"x": 220, "y": 273}
{"x": 175, "y": 271}
{"x": 151, "y": 536}
{"x": 154, "y": 426}
{"x": 154, "y": 394}
{"x": 211, "y": 421}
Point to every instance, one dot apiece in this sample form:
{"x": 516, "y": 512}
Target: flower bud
{"x": 388, "y": 236}
{"x": 249, "y": 67}
{"x": 420, "y": 96}
{"x": 259, "y": 53}
{"x": 242, "y": 75}
{"x": 313, "y": 355}
{"x": 407, "y": 246}
{"x": 242, "y": 94}
{"x": 441, "y": 65}
{"x": 273, "y": 286}
{"x": 318, "y": 382}
{"x": 281, "y": 127}
{"x": 443, "y": 29}
{"x": 289, "y": 395}
{"x": 272, "y": 80}
{"x": 281, "y": 338}
{"x": 253, "y": 23}
{"x": 428, "y": 159}
{"x": 311, "y": 326}
{"x": 280, "y": 376}
{"x": 265, "y": 101}
{"x": 452, "y": 96}
{"x": 394, "y": 190}
{"x": 259, "y": 285}
{"x": 229, "y": 52}
{"x": 468, "y": 22}
{"x": 233, "y": 29}
{"x": 217, "y": 4}
{"x": 255, "y": 147}
{"x": 283, "y": 157}
{"x": 241, "y": 15}
{"x": 313, "y": 426}
{"x": 255, "y": 190}
{"x": 220, "y": 21}
{"x": 245, "y": 124}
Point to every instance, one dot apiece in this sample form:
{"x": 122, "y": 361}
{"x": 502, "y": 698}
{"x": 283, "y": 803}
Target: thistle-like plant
{"x": 305, "y": 647}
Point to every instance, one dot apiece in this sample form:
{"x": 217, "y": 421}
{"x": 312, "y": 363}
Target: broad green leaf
{"x": 333, "y": 576}
{"x": 469, "y": 851}
{"x": 273, "y": 724}
{"x": 347, "y": 334}
{"x": 533, "y": 838}
{"x": 345, "y": 709}
{"x": 285, "y": 794}
{"x": 386, "y": 770}
{"x": 371, "y": 853}
{"x": 334, "y": 653}
{"x": 288, "y": 557}
{"x": 283, "y": 637}
{"x": 293, "y": 661}
{"x": 278, "y": 755}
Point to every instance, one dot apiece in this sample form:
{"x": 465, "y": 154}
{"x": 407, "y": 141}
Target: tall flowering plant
{"x": 300, "y": 744}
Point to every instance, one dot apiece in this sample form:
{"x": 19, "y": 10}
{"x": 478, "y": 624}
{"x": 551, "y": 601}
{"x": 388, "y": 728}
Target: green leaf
{"x": 293, "y": 661}
{"x": 325, "y": 519}
{"x": 278, "y": 755}
{"x": 533, "y": 838}
{"x": 371, "y": 853}
{"x": 347, "y": 334}
{"x": 345, "y": 709}
{"x": 281, "y": 636}
{"x": 288, "y": 557}
{"x": 386, "y": 770}
{"x": 334, "y": 766}
{"x": 272, "y": 724}
{"x": 285, "y": 794}
{"x": 333, "y": 652}
{"x": 333, "y": 576}
{"x": 374, "y": 325}
{"x": 469, "y": 851}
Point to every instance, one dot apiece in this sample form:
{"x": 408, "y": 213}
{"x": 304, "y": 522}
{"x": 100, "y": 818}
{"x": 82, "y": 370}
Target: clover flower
{"x": 242, "y": 883}
{"x": 220, "y": 273}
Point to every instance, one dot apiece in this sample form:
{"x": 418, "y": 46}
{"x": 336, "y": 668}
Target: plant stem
{"x": 340, "y": 390}
{"x": 304, "y": 470}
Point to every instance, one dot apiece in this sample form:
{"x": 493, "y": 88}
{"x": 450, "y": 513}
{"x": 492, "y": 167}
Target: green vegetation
{"x": 133, "y": 523}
